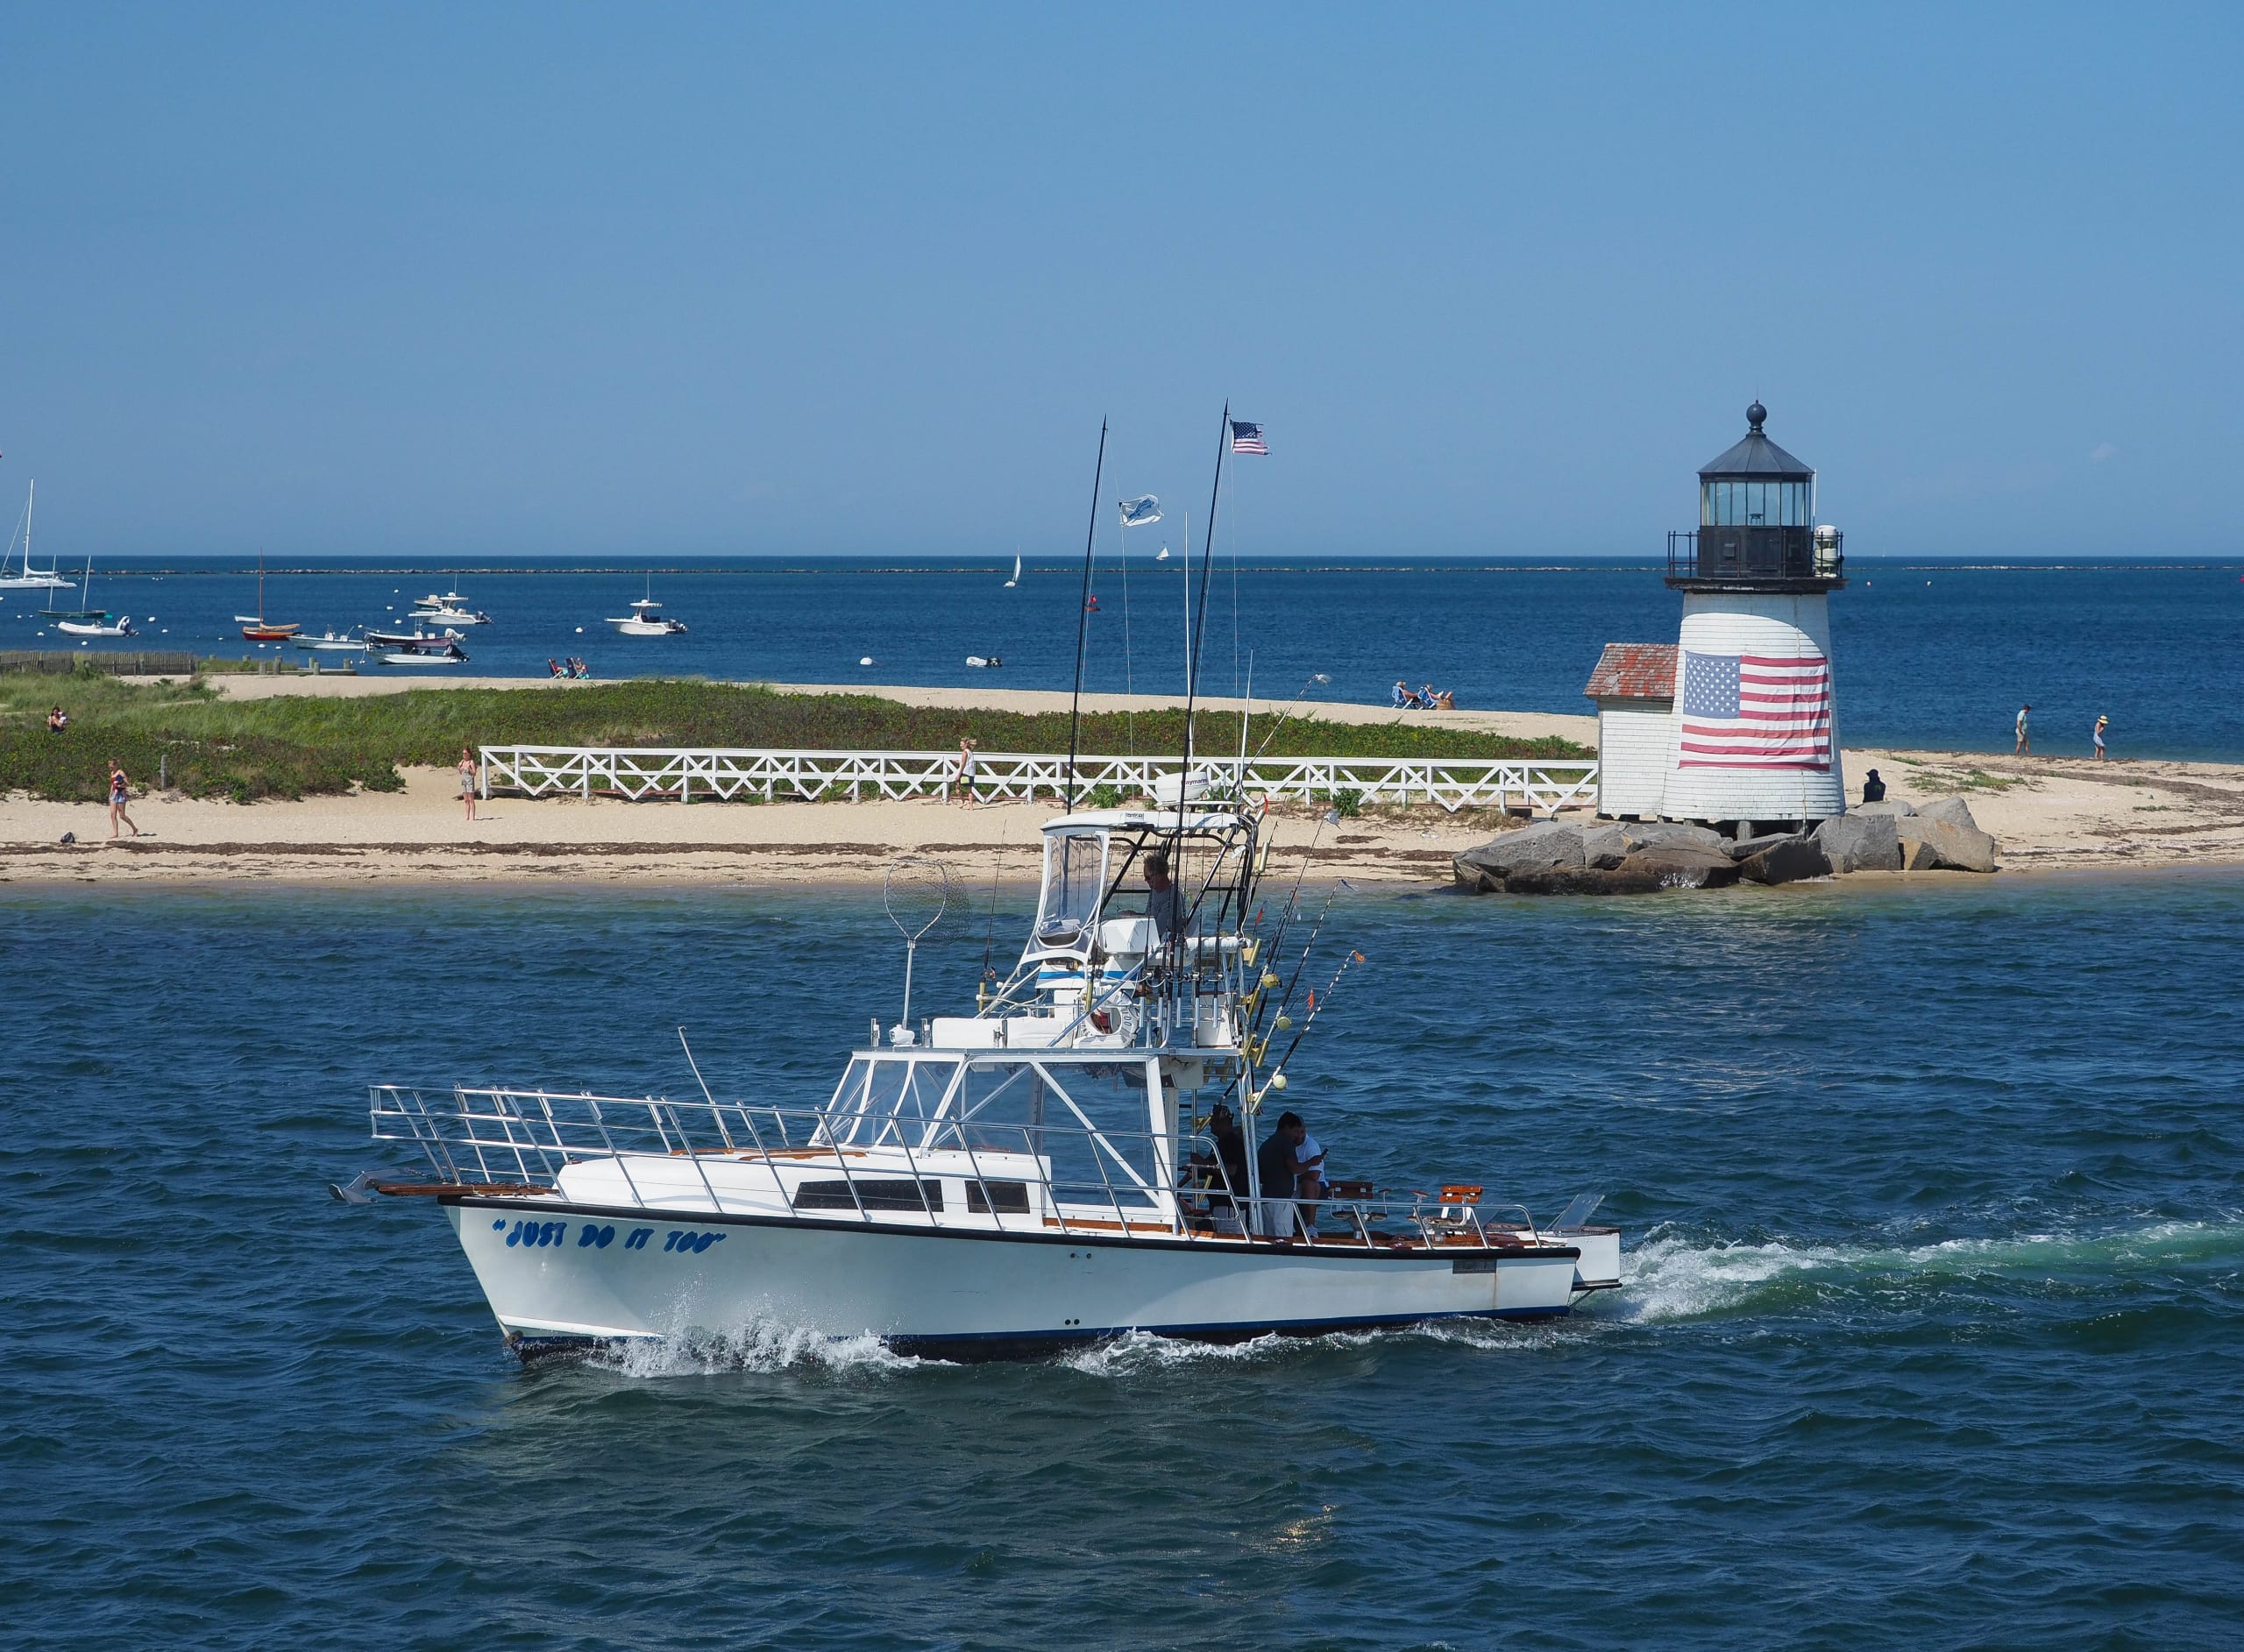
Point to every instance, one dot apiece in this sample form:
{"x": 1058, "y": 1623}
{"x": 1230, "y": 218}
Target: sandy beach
{"x": 2045, "y": 813}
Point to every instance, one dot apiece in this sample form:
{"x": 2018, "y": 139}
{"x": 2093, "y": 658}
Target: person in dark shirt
{"x": 1279, "y": 1168}
{"x": 1231, "y": 1146}
{"x": 1873, "y": 789}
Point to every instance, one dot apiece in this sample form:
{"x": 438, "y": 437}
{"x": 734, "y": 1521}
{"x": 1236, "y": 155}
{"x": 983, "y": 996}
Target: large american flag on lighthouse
{"x": 1754, "y": 711}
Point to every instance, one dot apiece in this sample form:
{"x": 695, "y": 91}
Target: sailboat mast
{"x": 30, "y": 498}
{"x": 1082, "y": 624}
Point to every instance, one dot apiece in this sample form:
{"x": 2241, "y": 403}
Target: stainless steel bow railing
{"x": 1135, "y": 1181}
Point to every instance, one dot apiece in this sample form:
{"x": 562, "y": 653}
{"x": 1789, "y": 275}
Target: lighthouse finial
{"x": 1755, "y": 414}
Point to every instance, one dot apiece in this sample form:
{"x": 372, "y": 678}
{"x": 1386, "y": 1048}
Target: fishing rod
{"x": 1082, "y": 624}
{"x": 1315, "y": 678}
{"x": 1276, "y": 1081}
{"x": 1292, "y": 909}
{"x": 1281, "y": 1023}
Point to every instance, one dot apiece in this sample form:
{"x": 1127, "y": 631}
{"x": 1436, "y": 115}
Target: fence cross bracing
{"x": 1541, "y": 785}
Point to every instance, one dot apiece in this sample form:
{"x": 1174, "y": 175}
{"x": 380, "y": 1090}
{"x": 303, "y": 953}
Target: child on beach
{"x": 467, "y": 780}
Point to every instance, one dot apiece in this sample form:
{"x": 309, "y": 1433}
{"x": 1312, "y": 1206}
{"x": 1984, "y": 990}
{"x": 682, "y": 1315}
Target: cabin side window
{"x": 869, "y": 1192}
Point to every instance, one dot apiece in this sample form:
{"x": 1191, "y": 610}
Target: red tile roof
{"x": 1634, "y": 671}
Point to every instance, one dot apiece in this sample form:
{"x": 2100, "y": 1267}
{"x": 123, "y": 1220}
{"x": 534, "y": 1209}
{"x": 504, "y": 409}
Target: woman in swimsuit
{"x": 467, "y": 780}
{"x": 119, "y": 789}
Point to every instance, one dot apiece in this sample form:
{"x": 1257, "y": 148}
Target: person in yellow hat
{"x": 2102, "y": 723}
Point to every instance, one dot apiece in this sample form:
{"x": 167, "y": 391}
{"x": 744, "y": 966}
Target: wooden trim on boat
{"x": 447, "y": 1189}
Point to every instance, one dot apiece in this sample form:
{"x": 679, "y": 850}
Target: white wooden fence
{"x": 767, "y": 776}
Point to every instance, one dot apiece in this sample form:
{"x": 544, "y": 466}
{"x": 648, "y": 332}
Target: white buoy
{"x": 581, "y": 630}
{"x": 868, "y": 660}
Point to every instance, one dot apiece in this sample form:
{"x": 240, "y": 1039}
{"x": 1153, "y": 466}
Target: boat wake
{"x": 1674, "y": 1277}
{"x": 763, "y": 1348}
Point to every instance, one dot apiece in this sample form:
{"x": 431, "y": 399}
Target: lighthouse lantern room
{"x": 1754, "y": 731}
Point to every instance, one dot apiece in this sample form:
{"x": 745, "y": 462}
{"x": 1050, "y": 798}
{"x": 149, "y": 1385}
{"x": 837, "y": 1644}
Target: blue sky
{"x": 490, "y": 282}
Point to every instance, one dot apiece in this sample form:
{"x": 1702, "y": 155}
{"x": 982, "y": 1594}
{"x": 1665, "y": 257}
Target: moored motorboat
{"x": 1053, "y": 1168}
{"x": 643, "y": 622}
{"x": 332, "y": 642}
{"x": 448, "y": 608}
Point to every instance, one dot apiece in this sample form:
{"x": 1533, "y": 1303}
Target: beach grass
{"x": 299, "y": 746}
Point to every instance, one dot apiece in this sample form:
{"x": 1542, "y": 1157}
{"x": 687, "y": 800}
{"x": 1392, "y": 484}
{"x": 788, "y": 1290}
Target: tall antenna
{"x": 1082, "y": 624}
{"x": 1200, "y": 622}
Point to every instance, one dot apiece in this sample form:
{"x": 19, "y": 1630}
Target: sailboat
{"x": 643, "y": 622}
{"x": 88, "y": 622}
{"x": 258, "y": 628}
{"x": 1015, "y": 580}
{"x": 31, "y": 578}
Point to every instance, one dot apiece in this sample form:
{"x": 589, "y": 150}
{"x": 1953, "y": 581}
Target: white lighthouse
{"x": 1753, "y": 736}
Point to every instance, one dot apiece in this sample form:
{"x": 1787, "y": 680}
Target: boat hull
{"x": 564, "y": 1275}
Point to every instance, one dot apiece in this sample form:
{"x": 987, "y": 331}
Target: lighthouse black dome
{"x": 1756, "y": 520}
{"x": 1755, "y": 456}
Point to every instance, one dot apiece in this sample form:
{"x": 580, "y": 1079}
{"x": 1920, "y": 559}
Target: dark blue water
{"x": 1934, "y": 1335}
{"x": 1926, "y": 655}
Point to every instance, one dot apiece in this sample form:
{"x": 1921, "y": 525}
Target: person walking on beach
{"x": 2102, "y": 723}
{"x": 119, "y": 789}
{"x": 964, "y": 779}
{"x": 468, "y": 777}
{"x": 2024, "y": 744}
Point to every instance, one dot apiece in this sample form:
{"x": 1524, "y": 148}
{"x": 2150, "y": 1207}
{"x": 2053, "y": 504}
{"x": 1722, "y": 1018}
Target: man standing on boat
{"x": 1277, "y": 1170}
{"x": 1165, "y": 902}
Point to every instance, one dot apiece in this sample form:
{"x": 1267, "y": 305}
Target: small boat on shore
{"x": 1057, "y": 1168}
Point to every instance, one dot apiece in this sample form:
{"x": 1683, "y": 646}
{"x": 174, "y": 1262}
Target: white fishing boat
{"x": 1049, "y": 1170}
{"x": 643, "y": 622}
{"x": 332, "y": 642}
{"x": 448, "y": 608}
{"x": 32, "y": 578}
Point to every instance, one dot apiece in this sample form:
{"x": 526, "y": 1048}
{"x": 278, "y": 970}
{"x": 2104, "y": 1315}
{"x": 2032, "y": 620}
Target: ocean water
{"x": 1933, "y": 1333}
{"x": 1928, "y": 654}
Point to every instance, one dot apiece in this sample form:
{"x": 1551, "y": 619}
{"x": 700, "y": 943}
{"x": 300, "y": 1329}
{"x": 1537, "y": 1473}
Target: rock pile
{"x": 1620, "y": 857}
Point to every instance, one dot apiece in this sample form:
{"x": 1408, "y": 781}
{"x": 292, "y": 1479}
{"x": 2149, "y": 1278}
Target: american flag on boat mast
{"x": 1247, "y": 438}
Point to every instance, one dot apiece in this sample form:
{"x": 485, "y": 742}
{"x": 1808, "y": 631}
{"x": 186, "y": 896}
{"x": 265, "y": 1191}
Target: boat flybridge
{"x": 1058, "y": 1167}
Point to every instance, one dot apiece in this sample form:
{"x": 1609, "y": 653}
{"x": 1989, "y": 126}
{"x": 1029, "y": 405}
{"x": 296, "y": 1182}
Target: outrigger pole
{"x": 1082, "y": 623}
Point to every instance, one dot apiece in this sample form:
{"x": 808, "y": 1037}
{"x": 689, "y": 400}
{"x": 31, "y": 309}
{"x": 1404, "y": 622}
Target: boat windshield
{"x": 1075, "y": 874}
